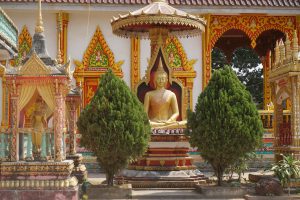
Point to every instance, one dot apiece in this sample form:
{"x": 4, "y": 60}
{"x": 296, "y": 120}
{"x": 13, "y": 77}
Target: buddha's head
{"x": 160, "y": 76}
{"x": 40, "y": 104}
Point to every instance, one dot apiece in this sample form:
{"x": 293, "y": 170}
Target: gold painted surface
{"x": 135, "y": 62}
{"x": 62, "y": 20}
{"x": 97, "y": 59}
{"x": 285, "y": 84}
{"x": 34, "y": 66}
{"x": 36, "y": 168}
{"x": 24, "y": 46}
{"x": 171, "y": 78}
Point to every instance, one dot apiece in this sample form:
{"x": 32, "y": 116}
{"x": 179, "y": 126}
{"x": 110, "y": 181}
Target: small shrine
{"x": 285, "y": 84}
{"x": 165, "y": 98}
{"x": 38, "y": 100}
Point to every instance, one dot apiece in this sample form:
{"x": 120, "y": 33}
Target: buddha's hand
{"x": 170, "y": 121}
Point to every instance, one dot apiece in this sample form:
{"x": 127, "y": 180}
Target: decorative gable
{"x": 98, "y": 56}
{"x": 24, "y": 46}
{"x": 34, "y": 67}
{"x": 177, "y": 57}
{"x": 96, "y": 60}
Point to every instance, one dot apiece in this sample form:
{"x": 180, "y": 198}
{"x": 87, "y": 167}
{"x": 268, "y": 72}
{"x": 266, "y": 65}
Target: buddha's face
{"x": 161, "y": 80}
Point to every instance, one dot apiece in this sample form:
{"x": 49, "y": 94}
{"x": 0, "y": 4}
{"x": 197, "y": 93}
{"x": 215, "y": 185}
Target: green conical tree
{"x": 114, "y": 126}
{"x": 225, "y": 125}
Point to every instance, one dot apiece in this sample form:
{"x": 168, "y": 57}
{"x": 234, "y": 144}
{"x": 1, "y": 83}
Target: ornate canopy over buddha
{"x": 162, "y": 95}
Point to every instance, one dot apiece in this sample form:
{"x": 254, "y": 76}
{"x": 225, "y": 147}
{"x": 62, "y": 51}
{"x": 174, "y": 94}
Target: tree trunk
{"x": 110, "y": 179}
{"x": 220, "y": 175}
{"x": 240, "y": 175}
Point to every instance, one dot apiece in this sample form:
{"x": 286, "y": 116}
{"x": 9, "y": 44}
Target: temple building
{"x": 81, "y": 31}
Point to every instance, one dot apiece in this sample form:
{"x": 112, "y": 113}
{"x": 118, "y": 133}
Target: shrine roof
{"x": 205, "y": 3}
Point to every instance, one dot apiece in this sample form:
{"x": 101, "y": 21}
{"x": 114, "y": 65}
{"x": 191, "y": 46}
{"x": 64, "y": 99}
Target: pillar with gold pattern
{"x": 285, "y": 82}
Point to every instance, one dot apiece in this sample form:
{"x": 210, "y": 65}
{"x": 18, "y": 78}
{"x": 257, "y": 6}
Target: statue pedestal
{"x": 79, "y": 170}
{"x": 39, "y": 180}
{"x": 165, "y": 164}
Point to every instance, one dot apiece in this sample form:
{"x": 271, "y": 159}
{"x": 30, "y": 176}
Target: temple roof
{"x": 212, "y": 3}
{"x": 8, "y": 34}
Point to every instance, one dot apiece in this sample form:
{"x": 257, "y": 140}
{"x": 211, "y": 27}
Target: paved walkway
{"x": 156, "y": 193}
{"x": 167, "y": 194}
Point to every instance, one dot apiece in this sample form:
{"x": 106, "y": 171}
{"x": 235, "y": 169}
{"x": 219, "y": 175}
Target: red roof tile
{"x": 238, "y": 3}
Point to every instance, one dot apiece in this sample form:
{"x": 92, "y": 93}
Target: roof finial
{"x": 39, "y": 25}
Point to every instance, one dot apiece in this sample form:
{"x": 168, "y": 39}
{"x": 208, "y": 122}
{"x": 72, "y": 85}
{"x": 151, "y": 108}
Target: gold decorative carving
{"x": 62, "y": 20}
{"x": 34, "y": 66}
{"x": 162, "y": 162}
{"x": 177, "y": 56}
{"x": 135, "y": 61}
{"x": 285, "y": 83}
{"x": 96, "y": 60}
{"x": 24, "y": 46}
{"x": 183, "y": 69}
{"x": 36, "y": 168}
{"x": 2, "y": 70}
{"x": 99, "y": 56}
{"x": 267, "y": 89}
{"x": 252, "y": 25}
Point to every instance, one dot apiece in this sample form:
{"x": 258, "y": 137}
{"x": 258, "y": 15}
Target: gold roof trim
{"x": 195, "y": 26}
{"x": 34, "y": 66}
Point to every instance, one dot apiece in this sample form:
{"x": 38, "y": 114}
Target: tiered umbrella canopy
{"x": 160, "y": 15}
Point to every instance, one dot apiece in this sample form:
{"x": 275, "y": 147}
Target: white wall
{"x": 82, "y": 27}
{"x": 193, "y": 49}
{"x": 145, "y": 56}
{"x": 29, "y": 18}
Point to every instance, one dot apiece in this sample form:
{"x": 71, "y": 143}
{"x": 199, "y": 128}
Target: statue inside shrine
{"x": 161, "y": 104}
{"x": 39, "y": 124}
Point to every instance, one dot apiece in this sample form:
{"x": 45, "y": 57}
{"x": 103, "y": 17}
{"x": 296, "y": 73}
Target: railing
{"x": 26, "y": 149}
{"x": 267, "y": 118}
{"x": 26, "y": 146}
{"x": 285, "y": 136}
{"x": 4, "y": 144}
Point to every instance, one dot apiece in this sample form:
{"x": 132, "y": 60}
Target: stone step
{"x": 90, "y": 162}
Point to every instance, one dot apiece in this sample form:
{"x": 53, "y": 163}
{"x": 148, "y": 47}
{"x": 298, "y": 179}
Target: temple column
{"x": 14, "y": 154}
{"x": 295, "y": 115}
{"x": 5, "y": 104}
{"x": 59, "y": 126}
{"x": 189, "y": 86}
{"x": 206, "y": 56}
{"x": 135, "y": 62}
{"x": 72, "y": 127}
{"x": 266, "y": 62}
{"x": 62, "y": 20}
{"x": 298, "y": 27}
{"x": 277, "y": 120}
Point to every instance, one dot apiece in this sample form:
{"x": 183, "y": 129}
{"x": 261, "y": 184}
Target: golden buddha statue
{"x": 161, "y": 104}
{"x": 38, "y": 122}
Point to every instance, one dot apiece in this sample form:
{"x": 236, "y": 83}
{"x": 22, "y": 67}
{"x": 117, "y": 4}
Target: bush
{"x": 225, "y": 125}
{"x": 114, "y": 125}
{"x": 286, "y": 169}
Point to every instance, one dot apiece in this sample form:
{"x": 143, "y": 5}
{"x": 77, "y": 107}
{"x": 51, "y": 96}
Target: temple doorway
{"x": 252, "y": 65}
